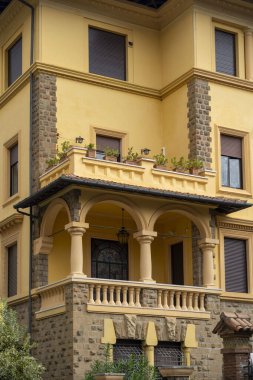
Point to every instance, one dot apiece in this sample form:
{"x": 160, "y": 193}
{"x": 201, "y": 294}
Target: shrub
{"x": 16, "y": 363}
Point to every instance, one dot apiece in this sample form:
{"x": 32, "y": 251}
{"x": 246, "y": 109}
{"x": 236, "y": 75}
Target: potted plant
{"x": 132, "y": 157}
{"x": 160, "y": 161}
{"x": 91, "y": 151}
{"x": 52, "y": 162}
{"x": 179, "y": 165}
{"x": 195, "y": 165}
{"x": 62, "y": 154}
{"x": 111, "y": 154}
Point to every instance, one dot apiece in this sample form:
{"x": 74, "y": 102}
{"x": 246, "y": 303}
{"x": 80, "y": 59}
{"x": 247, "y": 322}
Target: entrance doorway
{"x": 177, "y": 264}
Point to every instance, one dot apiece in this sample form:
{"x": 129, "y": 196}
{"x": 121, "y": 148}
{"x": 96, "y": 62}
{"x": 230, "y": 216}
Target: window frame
{"x": 13, "y": 171}
{"x": 235, "y": 35}
{"x": 236, "y": 233}
{"x": 12, "y": 40}
{"x": 123, "y": 136}
{"x": 7, "y": 242}
{"x": 246, "y": 190}
{"x": 128, "y": 33}
{"x": 20, "y": 37}
{"x": 239, "y": 48}
{"x": 229, "y": 161}
{"x": 7, "y": 198}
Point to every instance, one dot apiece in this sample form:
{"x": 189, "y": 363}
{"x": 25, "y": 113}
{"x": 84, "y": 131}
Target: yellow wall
{"x": 177, "y": 46}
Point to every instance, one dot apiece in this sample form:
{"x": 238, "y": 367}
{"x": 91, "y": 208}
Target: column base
{"x": 150, "y": 280}
{"x": 77, "y": 275}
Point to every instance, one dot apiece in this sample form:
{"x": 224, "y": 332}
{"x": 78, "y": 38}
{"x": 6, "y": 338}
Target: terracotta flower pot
{"x": 109, "y": 376}
{"x": 91, "y": 153}
{"x": 110, "y": 158}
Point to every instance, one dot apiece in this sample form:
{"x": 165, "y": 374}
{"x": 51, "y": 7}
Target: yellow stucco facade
{"x": 173, "y": 100}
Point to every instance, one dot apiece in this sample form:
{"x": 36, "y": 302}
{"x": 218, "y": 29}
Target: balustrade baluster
{"x": 105, "y": 301}
{"x": 124, "y": 303}
{"x": 91, "y": 293}
{"x": 131, "y": 296}
{"x": 137, "y": 297}
{"x": 165, "y": 299}
{"x": 172, "y": 293}
{"x": 159, "y": 299}
{"x": 195, "y": 302}
{"x": 98, "y": 300}
{"x": 190, "y": 295}
{"x": 184, "y": 295}
{"x": 111, "y": 301}
{"x": 178, "y": 295}
{"x": 118, "y": 300}
{"x": 202, "y": 302}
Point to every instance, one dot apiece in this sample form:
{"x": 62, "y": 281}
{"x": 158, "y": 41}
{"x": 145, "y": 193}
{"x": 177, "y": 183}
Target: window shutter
{"x": 231, "y": 146}
{"x": 15, "y": 62}
{"x": 225, "y": 52}
{"x": 12, "y": 270}
{"x": 103, "y": 142}
{"x": 107, "y": 53}
{"x": 235, "y": 265}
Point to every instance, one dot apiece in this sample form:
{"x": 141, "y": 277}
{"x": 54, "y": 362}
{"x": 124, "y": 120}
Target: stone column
{"x": 76, "y": 231}
{"x": 207, "y": 247}
{"x": 248, "y": 35}
{"x": 145, "y": 239}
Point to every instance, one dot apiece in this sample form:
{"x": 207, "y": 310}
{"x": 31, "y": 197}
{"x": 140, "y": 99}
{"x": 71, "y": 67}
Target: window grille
{"x": 169, "y": 354}
{"x": 123, "y": 349}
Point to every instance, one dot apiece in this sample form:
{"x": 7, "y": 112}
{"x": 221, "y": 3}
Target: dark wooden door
{"x": 177, "y": 263}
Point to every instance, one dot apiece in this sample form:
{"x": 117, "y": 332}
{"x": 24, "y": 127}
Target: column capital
{"x": 248, "y": 31}
{"x": 76, "y": 227}
{"x": 208, "y": 243}
{"x": 145, "y": 234}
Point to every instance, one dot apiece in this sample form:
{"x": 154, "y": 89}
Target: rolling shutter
{"x": 225, "y": 52}
{"x": 15, "y": 62}
{"x": 107, "y": 53}
{"x": 235, "y": 265}
{"x": 12, "y": 270}
{"x": 231, "y": 146}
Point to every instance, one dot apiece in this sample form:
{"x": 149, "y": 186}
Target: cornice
{"x": 9, "y": 14}
{"x": 236, "y": 224}
{"x": 96, "y": 80}
{"x": 10, "y": 222}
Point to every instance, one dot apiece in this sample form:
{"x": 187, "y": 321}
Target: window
{"x": 124, "y": 348}
{"x": 103, "y": 142}
{"x": 12, "y": 270}
{"x": 235, "y": 252}
{"x": 168, "y": 354}
{"x": 225, "y": 52}
{"x": 109, "y": 259}
{"x": 231, "y": 161}
{"x": 14, "y": 61}
{"x": 13, "y": 151}
{"x": 107, "y": 53}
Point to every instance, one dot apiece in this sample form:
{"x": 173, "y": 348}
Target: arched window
{"x": 109, "y": 259}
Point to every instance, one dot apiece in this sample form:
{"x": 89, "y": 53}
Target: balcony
{"x": 128, "y": 297}
{"x": 79, "y": 165}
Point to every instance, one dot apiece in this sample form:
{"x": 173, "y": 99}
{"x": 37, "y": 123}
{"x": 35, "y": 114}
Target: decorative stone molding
{"x": 43, "y": 245}
{"x": 10, "y": 222}
{"x": 171, "y": 324}
{"x": 130, "y": 325}
{"x": 236, "y": 225}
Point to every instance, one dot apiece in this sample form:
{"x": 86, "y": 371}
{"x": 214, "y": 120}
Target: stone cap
{"x": 235, "y": 322}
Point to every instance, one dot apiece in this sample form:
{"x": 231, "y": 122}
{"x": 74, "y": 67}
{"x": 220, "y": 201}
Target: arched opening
{"x": 176, "y": 257}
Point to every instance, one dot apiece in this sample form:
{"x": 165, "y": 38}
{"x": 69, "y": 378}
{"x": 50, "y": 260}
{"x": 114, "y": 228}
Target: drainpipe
{"x": 30, "y": 168}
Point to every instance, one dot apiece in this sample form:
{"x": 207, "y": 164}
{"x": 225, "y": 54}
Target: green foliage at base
{"x": 16, "y": 363}
{"x": 135, "y": 368}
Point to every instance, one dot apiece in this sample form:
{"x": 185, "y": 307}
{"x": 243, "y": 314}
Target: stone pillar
{"x": 207, "y": 247}
{"x": 76, "y": 231}
{"x": 248, "y": 35}
{"x": 41, "y": 249}
{"x": 235, "y": 357}
{"x": 150, "y": 342}
{"x": 145, "y": 239}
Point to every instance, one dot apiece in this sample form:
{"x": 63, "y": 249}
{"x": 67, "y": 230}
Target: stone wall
{"x": 44, "y": 132}
{"x": 69, "y": 343}
{"x": 197, "y": 259}
{"x": 199, "y": 121}
{"x": 22, "y": 310}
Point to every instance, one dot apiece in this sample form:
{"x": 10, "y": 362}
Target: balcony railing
{"x": 128, "y": 297}
{"x": 139, "y": 175}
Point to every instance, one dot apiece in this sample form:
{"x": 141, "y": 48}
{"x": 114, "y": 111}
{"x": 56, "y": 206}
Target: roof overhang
{"x": 221, "y": 205}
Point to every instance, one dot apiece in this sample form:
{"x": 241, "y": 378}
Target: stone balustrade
{"x": 137, "y": 175}
{"x": 128, "y": 297}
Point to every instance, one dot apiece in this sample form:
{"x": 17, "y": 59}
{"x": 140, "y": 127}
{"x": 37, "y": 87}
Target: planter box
{"x": 163, "y": 167}
{"x": 91, "y": 153}
{"x": 110, "y": 158}
{"x": 109, "y": 376}
{"x": 176, "y": 371}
